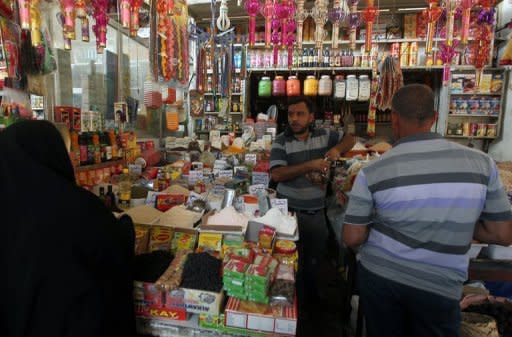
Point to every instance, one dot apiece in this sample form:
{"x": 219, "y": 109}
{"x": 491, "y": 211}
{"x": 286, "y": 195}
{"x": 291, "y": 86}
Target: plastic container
{"x": 352, "y": 93}
{"x": 293, "y": 86}
{"x": 279, "y": 86}
{"x": 339, "y": 87}
{"x": 265, "y": 87}
{"x": 497, "y": 252}
{"x": 125, "y": 189}
{"x": 325, "y": 86}
{"x": 364, "y": 88}
{"x": 310, "y": 86}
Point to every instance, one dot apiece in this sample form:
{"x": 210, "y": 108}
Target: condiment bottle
{"x": 293, "y": 86}
{"x": 325, "y": 86}
{"x": 279, "y": 86}
{"x": 310, "y": 86}
{"x": 339, "y": 87}
{"x": 364, "y": 88}
{"x": 352, "y": 93}
{"x": 264, "y": 87}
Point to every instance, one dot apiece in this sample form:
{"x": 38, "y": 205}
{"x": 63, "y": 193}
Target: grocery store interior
{"x": 177, "y": 115}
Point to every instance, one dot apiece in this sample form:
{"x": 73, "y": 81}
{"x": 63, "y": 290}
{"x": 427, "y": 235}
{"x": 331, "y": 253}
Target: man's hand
{"x": 321, "y": 165}
{"x": 333, "y": 154}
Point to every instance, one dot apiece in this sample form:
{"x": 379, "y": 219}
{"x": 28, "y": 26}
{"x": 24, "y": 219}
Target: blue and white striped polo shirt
{"x": 421, "y": 201}
{"x": 288, "y": 150}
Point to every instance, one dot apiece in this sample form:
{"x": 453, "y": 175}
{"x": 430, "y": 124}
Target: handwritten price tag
{"x": 194, "y": 177}
{"x": 260, "y": 178}
{"x": 254, "y": 189}
{"x": 281, "y": 204}
{"x": 251, "y": 158}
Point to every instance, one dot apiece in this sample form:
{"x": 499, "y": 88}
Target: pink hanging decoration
{"x": 124, "y": 13}
{"x": 134, "y": 16}
{"x": 275, "y": 38}
{"x": 24, "y": 10}
{"x": 282, "y": 14}
{"x": 100, "y": 28}
{"x": 451, "y": 7}
{"x": 252, "y": 7}
{"x": 466, "y": 16}
{"x": 433, "y": 14}
{"x": 267, "y": 10}
{"x": 447, "y": 53}
{"x": 68, "y": 9}
{"x": 369, "y": 15}
{"x": 290, "y": 40}
{"x": 80, "y": 9}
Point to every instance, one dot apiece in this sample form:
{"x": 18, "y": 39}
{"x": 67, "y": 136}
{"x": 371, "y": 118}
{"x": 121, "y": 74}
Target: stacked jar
{"x": 310, "y": 86}
{"x": 279, "y": 86}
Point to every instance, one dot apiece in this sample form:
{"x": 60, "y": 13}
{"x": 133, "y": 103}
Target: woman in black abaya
{"x": 66, "y": 260}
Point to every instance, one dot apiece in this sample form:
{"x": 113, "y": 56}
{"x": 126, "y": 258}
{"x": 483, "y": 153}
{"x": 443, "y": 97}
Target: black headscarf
{"x": 67, "y": 261}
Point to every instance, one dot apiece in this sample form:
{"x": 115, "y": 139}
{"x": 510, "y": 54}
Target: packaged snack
{"x": 160, "y": 238}
{"x": 485, "y": 106}
{"x": 141, "y": 239}
{"x": 266, "y": 237}
{"x": 210, "y": 241}
{"x": 286, "y": 253}
{"x": 474, "y": 106}
{"x": 457, "y": 84}
{"x": 283, "y": 288}
{"x": 257, "y": 275}
{"x": 469, "y": 83}
{"x": 485, "y": 84}
{"x": 495, "y": 106}
{"x": 183, "y": 241}
{"x": 235, "y": 270}
{"x": 491, "y": 130}
{"x": 482, "y": 130}
{"x": 164, "y": 202}
{"x": 171, "y": 278}
{"x": 462, "y": 106}
{"x": 496, "y": 83}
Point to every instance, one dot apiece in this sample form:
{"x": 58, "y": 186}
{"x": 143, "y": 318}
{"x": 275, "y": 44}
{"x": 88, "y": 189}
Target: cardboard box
{"x": 149, "y": 302}
{"x": 195, "y": 301}
{"x": 261, "y": 317}
{"x": 409, "y": 26}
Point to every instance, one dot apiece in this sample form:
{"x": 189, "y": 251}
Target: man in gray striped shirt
{"x": 295, "y": 153}
{"x": 415, "y": 211}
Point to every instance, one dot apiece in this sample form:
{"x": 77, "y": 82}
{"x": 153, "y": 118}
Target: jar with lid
{"x": 265, "y": 87}
{"x": 310, "y": 86}
{"x": 293, "y": 86}
{"x": 325, "y": 86}
{"x": 279, "y": 86}
{"x": 352, "y": 88}
{"x": 364, "y": 88}
{"x": 339, "y": 87}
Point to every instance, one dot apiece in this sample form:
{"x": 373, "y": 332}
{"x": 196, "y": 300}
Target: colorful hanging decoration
{"x": 466, "y": 6}
{"x": 319, "y": 13}
{"x": 35, "y": 23}
{"x": 134, "y": 17}
{"x": 100, "y": 28}
{"x": 482, "y": 46}
{"x": 267, "y": 10}
{"x": 223, "y": 21}
{"x": 81, "y": 13}
{"x": 448, "y": 52}
{"x": 369, "y": 15}
{"x": 24, "y": 10}
{"x": 290, "y": 30}
{"x": 252, "y": 7}
{"x": 354, "y": 20}
{"x": 275, "y": 36}
{"x": 337, "y": 14}
{"x": 68, "y": 10}
{"x": 124, "y": 13}
{"x": 451, "y": 7}
{"x": 433, "y": 13}
{"x": 300, "y": 17}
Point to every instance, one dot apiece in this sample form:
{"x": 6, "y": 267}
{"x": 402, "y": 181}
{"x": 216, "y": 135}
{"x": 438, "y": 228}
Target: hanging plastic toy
{"x": 68, "y": 9}
{"x": 252, "y": 7}
{"x": 448, "y": 52}
{"x": 223, "y": 22}
{"x": 354, "y": 20}
{"x": 24, "y": 9}
{"x": 134, "y": 16}
{"x": 290, "y": 28}
{"x": 124, "y": 13}
{"x": 275, "y": 38}
{"x": 100, "y": 28}
{"x": 369, "y": 15}
{"x": 433, "y": 14}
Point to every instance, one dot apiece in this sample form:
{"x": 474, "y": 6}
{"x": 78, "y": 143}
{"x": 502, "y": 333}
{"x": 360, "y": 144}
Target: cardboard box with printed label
{"x": 149, "y": 302}
{"x": 195, "y": 301}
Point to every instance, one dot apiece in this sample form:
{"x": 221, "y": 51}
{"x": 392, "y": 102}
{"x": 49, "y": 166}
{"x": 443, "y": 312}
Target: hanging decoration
{"x": 319, "y": 14}
{"x": 24, "y": 11}
{"x": 267, "y": 10}
{"x": 337, "y": 14}
{"x": 223, "y": 21}
{"x": 391, "y": 79}
{"x": 369, "y": 15}
{"x": 134, "y": 17}
{"x": 354, "y": 20}
{"x": 81, "y": 13}
{"x": 252, "y": 7}
{"x": 433, "y": 13}
{"x": 275, "y": 36}
{"x": 124, "y": 13}
{"x": 448, "y": 52}
{"x": 290, "y": 29}
{"x": 68, "y": 10}
{"x": 300, "y": 17}
{"x": 35, "y": 23}
{"x": 451, "y": 7}
{"x": 482, "y": 46}
{"x": 100, "y": 28}
{"x": 466, "y": 6}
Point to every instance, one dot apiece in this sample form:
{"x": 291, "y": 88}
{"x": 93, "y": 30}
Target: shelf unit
{"x": 456, "y": 121}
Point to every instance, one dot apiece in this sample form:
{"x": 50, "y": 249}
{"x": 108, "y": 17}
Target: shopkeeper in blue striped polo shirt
{"x": 415, "y": 211}
{"x": 300, "y": 150}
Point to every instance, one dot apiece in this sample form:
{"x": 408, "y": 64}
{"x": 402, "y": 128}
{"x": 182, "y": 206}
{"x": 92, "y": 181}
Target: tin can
{"x": 473, "y": 129}
{"x": 482, "y": 130}
{"x": 491, "y": 130}
{"x": 466, "y": 129}
{"x": 229, "y": 197}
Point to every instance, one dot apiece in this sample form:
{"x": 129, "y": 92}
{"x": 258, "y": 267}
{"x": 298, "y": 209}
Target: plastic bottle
{"x": 349, "y": 124}
{"x": 125, "y": 189}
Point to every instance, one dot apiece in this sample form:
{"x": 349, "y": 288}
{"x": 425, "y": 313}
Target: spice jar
{"x": 264, "y": 87}
{"x": 293, "y": 86}
{"x": 325, "y": 86}
{"x": 310, "y": 86}
{"x": 279, "y": 86}
{"x": 352, "y": 88}
{"x": 339, "y": 87}
{"x": 364, "y": 88}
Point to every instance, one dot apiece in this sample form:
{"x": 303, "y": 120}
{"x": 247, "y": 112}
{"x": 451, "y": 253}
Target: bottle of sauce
{"x": 349, "y": 124}
{"x": 125, "y": 190}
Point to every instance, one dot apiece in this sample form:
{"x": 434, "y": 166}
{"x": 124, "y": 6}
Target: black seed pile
{"x": 500, "y": 312}
{"x": 149, "y": 267}
{"x": 202, "y": 272}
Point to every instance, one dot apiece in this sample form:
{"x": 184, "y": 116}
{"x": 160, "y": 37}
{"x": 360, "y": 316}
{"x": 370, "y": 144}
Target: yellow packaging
{"x": 410, "y": 26}
{"x": 210, "y": 241}
{"x": 404, "y": 54}
{"x": 485, "y": 84}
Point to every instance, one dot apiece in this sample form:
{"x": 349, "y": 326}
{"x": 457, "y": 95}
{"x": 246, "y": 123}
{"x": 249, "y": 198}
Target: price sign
{"x": 281, "y": 204}
{"x": 251, "y": 158}
{"x": 194, "y": 177}
{"x": 254, "y": 189}
{"x": 260, "y": 178}
{"x": 240, "y": 168}
{"x": 220, "y": 164}
{"x": 225, "y": 174}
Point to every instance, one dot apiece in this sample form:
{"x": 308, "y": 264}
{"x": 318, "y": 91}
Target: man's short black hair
{"x": 414, "y": 102}
{"x": 301, "y": 99}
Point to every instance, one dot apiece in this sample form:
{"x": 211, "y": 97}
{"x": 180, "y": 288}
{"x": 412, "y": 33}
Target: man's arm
{"x": 354, "y": 235}
{"x": 494, "y": 232}
{"x": 347, "y": 143}
{"x": 285, "y": 173}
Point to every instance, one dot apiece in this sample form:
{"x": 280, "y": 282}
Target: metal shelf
{"x": 475, "y": 115}
{"x": 476, "y": 94}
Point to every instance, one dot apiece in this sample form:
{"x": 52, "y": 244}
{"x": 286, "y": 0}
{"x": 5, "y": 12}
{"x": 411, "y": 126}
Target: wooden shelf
{"x": 470, "y": 115}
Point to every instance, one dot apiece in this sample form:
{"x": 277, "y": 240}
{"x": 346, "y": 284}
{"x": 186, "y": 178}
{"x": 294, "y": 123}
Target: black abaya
{"x": 66, "y": 260}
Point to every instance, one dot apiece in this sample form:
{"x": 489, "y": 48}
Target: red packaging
{"x": 164, "y": 202}
{"x": 63, "y": 114}
{"x": 421, "y": 25}
{"x": 76, "y": 119}
{"x": 149, "y": 302}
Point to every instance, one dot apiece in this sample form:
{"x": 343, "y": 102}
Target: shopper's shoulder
{"x": 475, "y": 153}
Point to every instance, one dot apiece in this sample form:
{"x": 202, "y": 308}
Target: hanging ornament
{"x": 482, "y": 46}
{"x": 80, "y": 9}
{"x": 124, "y": 13}
{"x": 451, "y": 6}
{"x": 369, "y": 15}
{"x": 85, "y": 29}
{"x": 448, "y": 52}
{"x": 354, "y": 20}
{"x": 433, "y": 13}
{"x": 275, "y": 39}
{"x": 252, "y": 7}
{"x": 319, "y": 14}
{"x": 282, "y": 13}
{"x": 300, "y": 16}
{"x": 337, "y": 14}
{"x": 35, "y": 23}
{"x": 100, "y": 28}
{"x": 290, "y": 28}
{"x": 24, "y": 10}
{"x": 68, "y": 9}
{"x": 466, "y": 16}
{"x": 267, "y": 10}
{"x": 134, "y": 16}
{"x": 223, "y": 22}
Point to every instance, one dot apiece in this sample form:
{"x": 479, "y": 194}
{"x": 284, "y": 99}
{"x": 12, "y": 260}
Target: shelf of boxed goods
{"x": 473, "y": 115}
{"x": 219, "y": 94}
{"x": 106, "y": 164}
{"x": 411, "y": 68}
{"x": 347, "y": 42}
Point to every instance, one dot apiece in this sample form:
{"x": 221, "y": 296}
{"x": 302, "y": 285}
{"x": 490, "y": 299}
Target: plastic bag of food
{"x": 282, "y": 291}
